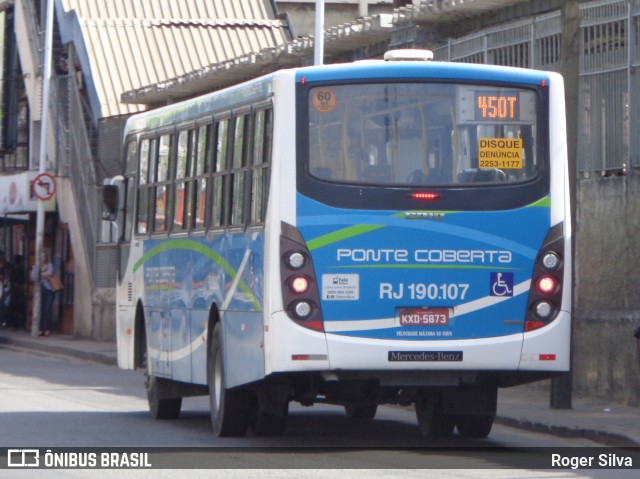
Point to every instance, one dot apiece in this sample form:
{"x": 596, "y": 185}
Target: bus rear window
{"x": 435, "y": 134}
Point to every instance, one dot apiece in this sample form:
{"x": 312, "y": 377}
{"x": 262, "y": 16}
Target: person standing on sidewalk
{"x": 18, "y": 307}
{"x": 47, "y": 294}
{"x": 5, "y": 298}
{"x": 5, "y": 290}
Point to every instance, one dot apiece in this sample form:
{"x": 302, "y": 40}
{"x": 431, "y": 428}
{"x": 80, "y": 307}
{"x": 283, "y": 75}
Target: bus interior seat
{"x": 417, "y": 177}
{"x": 482, "y": 175}
{"x": 433, "y": 177}
{"x": 377, "y": 173}
{"x": 323, "y": 173}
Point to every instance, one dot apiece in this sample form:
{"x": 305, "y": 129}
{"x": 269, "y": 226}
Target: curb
{"x": 54, "y": 349}
{"x": 601, "y": 437}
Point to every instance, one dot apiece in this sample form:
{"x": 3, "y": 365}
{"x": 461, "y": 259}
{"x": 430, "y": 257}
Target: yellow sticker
{"x": 503, "y": 153}
{"x": 323, "y": 100}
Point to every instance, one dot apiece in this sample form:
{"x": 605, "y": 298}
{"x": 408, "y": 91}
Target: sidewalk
{"x": 525, "y": 407}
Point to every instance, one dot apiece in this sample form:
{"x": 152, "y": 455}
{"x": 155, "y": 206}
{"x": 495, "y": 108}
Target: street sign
{"x": 44, "y": 186}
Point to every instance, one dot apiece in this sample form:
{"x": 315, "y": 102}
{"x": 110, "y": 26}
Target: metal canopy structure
{"x": 343, "y": 38}
{"x": 125, "y": 45}
{"x": 440, "y": 11}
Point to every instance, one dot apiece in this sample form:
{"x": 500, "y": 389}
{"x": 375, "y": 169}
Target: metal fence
{"x": 609, "y": 99}
{"x": 529, "y": 43}
{"x": 609, "y": 78}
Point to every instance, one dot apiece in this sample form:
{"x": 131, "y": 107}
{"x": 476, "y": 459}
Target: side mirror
{"x": 109, "y": 202}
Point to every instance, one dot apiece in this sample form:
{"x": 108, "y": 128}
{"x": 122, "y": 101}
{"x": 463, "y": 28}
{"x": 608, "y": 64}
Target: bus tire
{"x": 230, "y": 408}
{"x": 160, "y": 406}
{"x": 358, "y": 411}
{"x": 475, "y": 427}
{"x": 268, "y": 423}
{"x": 432, "y": 420}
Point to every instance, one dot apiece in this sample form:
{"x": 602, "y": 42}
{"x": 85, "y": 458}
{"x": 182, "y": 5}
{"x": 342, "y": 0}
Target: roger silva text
{"x": 596, "y": 461}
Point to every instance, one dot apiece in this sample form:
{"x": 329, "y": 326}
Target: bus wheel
{"x": 160, "y": 406}
{"x": 355, "y": 411}
{"x": 432, "y": 420}
{"x": 229, "y": 407}
{"x": 269, "y": 421}
{"x": 474, "y": 426}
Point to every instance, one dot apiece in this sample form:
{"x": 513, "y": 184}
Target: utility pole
{"x": 318, "y": 38}
{"x": 561, "y": 387}
{"x": 42, "y": 166}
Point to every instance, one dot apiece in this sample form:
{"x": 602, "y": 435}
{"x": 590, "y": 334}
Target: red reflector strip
{"x": 547, "y": 357}
{"x": 531, "y": 325}
{"x": 315, "y": 325}
{"x": 308, "y": 357}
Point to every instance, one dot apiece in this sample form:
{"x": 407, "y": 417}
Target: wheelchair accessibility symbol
{"x": 501, "y": 284}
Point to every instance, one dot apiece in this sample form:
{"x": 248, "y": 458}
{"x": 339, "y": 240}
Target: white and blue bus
{"x": 380, "y": 232}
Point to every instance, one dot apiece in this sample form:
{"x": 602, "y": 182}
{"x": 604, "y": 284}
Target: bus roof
{"x": 193, "y": 108}
{"x": 421, "y": 69}
{"x": 261, "y": 87}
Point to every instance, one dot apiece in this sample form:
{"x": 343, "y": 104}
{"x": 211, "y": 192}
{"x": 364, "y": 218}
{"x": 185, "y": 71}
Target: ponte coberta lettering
{"x": 369, "y": 255}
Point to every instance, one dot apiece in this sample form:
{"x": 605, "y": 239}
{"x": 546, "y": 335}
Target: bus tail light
{"x": 298, "y": 284}
{"x": 424, "y": 195}
{"x": 298, "y": 280}
{"x": 546, "y": 285}
{"x": 545, "y": 295}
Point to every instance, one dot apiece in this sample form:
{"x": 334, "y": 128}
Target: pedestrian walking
{"x": 47, "y": 294}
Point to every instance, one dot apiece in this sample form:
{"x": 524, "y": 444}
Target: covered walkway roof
{"x": 343, "y": 38}
{"x": 126, "y": 45}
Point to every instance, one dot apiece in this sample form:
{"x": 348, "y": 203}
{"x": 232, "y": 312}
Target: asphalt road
{"x": 51, "y": 401}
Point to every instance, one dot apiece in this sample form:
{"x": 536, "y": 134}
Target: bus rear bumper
{"x": 445, "y": 355}
{"x": 547, "y": 349}
{"x": 542, "y": 351}
{"x": 292, "y": 348}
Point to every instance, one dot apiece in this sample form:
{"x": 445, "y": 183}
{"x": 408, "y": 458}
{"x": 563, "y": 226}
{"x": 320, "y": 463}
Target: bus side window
{"x": 127, "y": 208}
{"x": 162, "y": 183}
{"x": 261, "y": 163}
{"x": 203, "y": 146}
{"x": 237, "y": 194}
{"x": 144, "y": 188}
{"x": 182, "y": 197}
{"x": 220, "y": 166}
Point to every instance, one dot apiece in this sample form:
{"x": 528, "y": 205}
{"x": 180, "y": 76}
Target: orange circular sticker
{"x": 323, "y": 100}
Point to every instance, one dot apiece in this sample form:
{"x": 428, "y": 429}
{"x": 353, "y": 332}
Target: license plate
{"x": 424, "y": 316}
